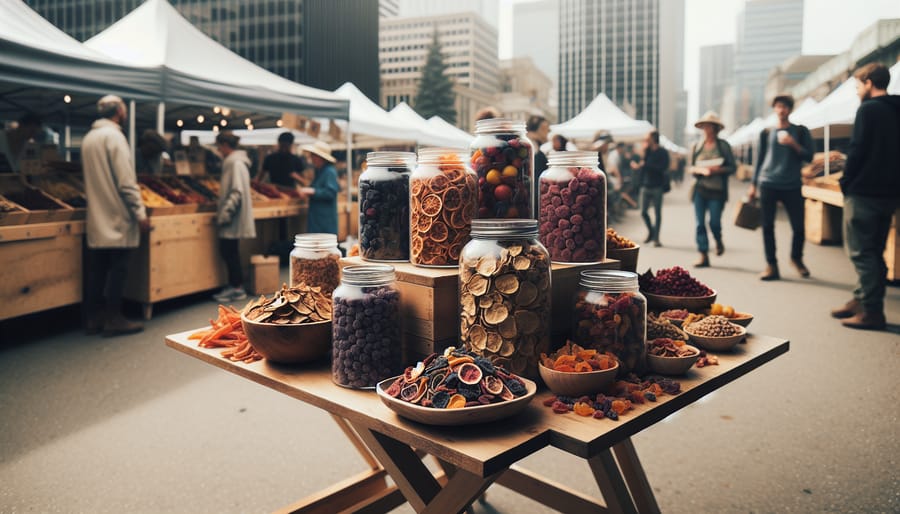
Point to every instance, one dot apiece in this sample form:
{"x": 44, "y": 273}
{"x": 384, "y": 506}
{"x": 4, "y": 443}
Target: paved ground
{"x": 128, "y": 425}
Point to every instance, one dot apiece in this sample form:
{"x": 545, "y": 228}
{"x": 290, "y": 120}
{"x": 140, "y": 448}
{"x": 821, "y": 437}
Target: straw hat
{"x": 320, "y": 148}
{"x": 710, "y": 117}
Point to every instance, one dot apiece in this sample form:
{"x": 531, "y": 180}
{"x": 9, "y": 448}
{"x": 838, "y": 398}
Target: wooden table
{"x": 472, "y": 460}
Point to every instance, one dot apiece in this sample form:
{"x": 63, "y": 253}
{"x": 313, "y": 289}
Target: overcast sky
{"x": 829, "y": 28}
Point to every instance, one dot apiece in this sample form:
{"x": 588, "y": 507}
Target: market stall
{"x": 602, "y": 114}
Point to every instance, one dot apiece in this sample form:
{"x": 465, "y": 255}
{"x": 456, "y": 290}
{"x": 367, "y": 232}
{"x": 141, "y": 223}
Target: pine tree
{"x": 435, "y": 95}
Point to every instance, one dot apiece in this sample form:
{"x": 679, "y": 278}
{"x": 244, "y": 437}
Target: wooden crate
{"x": 892, "y": 249}
{"x": 823, "y": 222}
{"x": 264, "y": 274}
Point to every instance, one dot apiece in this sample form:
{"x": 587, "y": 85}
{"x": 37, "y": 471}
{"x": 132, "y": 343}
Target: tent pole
{"x": 131, "y": 126}
{"x": 349, "y": 207}
{"x": 161, "y": 118}
{"x": 67, "y": 140}
{"x": 827, "y": 148}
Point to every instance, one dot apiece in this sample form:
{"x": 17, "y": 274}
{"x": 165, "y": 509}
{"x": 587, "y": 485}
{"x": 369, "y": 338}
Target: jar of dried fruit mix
{"x": 504, "y": 294}
{"x": 365, "y": 327}
{"x": 316, "y": 261}
{"x": 442, "y": 200}
{"x": 611, "y": 316}
{"x": 573, "y": 208}
{"x": 384, "y": 206}
{"x": 503, "y": 159}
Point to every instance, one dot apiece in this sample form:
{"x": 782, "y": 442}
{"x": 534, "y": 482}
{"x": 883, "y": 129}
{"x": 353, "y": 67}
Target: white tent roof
{"x": 602, "y": 113}
{"x": 839, "y": 107}
{"x": 368, "y": 119}
{"x": 444, "y": 126}
{"x": 199, "y": 71}
{"x": 428, "y": 135}
{"x": 670, "y": 145}
{"x": 255, "y": 137}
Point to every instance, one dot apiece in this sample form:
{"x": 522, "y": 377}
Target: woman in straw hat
{"x": 322, "y": 193}
{"x": 711, "y": 163}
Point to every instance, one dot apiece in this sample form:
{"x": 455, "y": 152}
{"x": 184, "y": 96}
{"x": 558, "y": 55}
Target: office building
{"x": 489, "y": 10}
{"x": 469, "y": 46}
{"x": 631, "y": 50}
{"x": 524, "y": 90}
{"x": 535, "y": 28}
{"x": 388, "y": 8}
{"x": 320, "y": 43}
{"x": 768, "y": 33}
{"x": 785, "y": 76}
{"x": 716, "y": 74}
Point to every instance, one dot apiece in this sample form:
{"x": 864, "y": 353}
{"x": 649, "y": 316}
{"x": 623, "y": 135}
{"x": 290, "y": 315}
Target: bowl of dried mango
{"x": 575, "y": 371}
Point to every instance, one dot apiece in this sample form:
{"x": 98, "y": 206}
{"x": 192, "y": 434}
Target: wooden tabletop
{"x": 490, "y": 448}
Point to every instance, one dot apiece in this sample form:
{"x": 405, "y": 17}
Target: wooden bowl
{"x": 717, "y": 344}
{"x": 568, "y": 383}
{"x": 452, "y": 417}
{"x": 741, "y": 318}
{"x": 673, "y": 365}
{"x": 289, "y": 344}
{"x": 627, "y": 257}
{"x": 662, "y": 302}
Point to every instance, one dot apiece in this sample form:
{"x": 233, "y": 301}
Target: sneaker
{"x": 224, "y": 296}
{"x": 238, "y": 294}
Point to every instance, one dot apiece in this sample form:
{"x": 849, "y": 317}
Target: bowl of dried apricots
{"x": 575, "y": 371}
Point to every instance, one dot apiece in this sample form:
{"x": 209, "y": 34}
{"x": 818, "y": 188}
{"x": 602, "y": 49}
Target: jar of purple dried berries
{"x": 384, "y": 206}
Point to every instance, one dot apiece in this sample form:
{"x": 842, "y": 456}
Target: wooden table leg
{"x": 612, "y": 485}
{"x": 635, "y": 477}
{"x": 356, "y": 441}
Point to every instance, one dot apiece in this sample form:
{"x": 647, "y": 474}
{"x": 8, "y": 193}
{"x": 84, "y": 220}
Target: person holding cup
{"x": 782, "y": 152}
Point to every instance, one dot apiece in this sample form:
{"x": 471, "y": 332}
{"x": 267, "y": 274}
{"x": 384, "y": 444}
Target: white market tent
{"x": 838, "y": 108}
{"x": 255, "y": 137}
{"x": 428, "y": 135}
{"x": 602, "y": 114}
{"x": 196, "y": 70}
{"x": 368, "y": 119}
{"x": 894, "y": 86}
{"x": 442, "y": 125}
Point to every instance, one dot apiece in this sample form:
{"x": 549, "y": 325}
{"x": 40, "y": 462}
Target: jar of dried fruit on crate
{"x": 611, "y": 316}
{"x": 316, "y": 261}
{"x": 573, "y": 208}
{"x": 442, "y": 200}
{"x": 504, "y": 294}
{"x": 503, "y": 159}
{"x": 384, "y": 206}
{"x": 365, "y": 327}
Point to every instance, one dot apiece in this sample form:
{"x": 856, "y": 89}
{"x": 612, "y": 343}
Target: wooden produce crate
{"x": 40, "y": 267}
{"x": 823, "y": 222}
{"x": 429, "y": 302}
{"x": 16, "y": 217}
{"x": 892, "y": 249}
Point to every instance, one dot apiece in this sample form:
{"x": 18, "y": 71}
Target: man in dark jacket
{"x": 871, "y": 187}
{"x": 654, "y": 181}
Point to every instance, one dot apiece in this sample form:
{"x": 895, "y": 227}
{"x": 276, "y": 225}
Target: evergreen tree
{"x": 435, "y": 95}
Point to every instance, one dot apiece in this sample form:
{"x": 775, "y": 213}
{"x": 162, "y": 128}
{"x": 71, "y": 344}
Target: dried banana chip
{"x": 467, "y": 302}
{"x": 486, "y": 301}
{"x": 521, "y": 263}
{"x": 528, "y": 292}
{"x": 495, "y": 314}
{"x": 487, "y": 265}
{"x": 508, "y": 329}
{"x": 507, "y": 284}
{"x": 478, "y": 285}
{"x": 527, "y": 321}
{"x": 478, "y": 337}
{"x": 514, "y": 250}
{"x": 494, "y": 342}
{"x": 507, "y": 348}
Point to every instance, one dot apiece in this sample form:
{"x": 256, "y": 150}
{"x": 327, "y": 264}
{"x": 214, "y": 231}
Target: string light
{"x": 217, "y": 109}
{"x": 179, "y": 123}
{"x": 215, "y": 128}
{"x": 223, "y": 122}
{"x": 248, "y": 121}
{"x": 226, "y": 111}
{"x": 67, "y": 99}
{"x": 279, "y": 123}
{"x": 200, "y": 118}
{"x": 250, "y": 127}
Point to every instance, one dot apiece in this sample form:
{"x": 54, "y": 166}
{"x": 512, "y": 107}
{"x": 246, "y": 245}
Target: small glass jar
{"x": 504, "y": 294}
{"x": 384, "y": 206}
{"x": 611, "y": 316}
{"x": 365, "y": 327}
{"x": 503, "y": 160}
{"x": 573, "y": 208}
{"x": 316, "y": 261}
{"x": 442, "y": 196}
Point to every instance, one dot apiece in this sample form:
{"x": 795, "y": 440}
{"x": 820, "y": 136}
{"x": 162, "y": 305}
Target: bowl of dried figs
{"x": 671, "y": 356}
{"x": 292, "y": 327}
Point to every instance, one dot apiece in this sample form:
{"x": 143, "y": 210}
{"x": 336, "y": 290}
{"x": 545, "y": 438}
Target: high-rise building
{"x": 469, "y": 46}
{"x": 524, "y": 90}
{"x": 632, "y": 50}
{"x": 535, "y": 28}
{"x": 769, "y": 31}
{"x": 388, "y": 8}
{"x": 489, "y": 10}
{"x": 320, "y": 43}
{"x": 716, "y": 74}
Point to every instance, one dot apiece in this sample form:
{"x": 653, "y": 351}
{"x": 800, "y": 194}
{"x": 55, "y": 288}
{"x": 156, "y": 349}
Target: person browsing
{"x": 322, "y": 193}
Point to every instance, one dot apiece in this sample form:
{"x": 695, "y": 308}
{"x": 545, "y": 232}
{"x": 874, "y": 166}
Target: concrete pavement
{"x": 127, "y": 425}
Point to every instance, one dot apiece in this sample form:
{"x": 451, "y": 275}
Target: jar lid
{"x": 442, "y": 155}
{"x": 315, "y": 241}
{"x": 574, "y": 158}
{"x": 613, "y": 281}
{"x": 494, "y": 228}
{"x": 368, "y": 275}
{"x": 407, "y": 159}
{"x": 498, "y": 126}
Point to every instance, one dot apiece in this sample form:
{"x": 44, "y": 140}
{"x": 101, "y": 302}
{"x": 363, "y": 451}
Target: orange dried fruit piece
{"x": 586, "y": 354}
{"x": 431, "y": 205}
{"x": 438, "y": 183}
{"x": 583, "y": 367}
{"x": 564, "y": 359}
{"x": 457, "y": 401}
{"x": 583, "y": 409}
{"x": 620, "y": 406}
{"x": 439, "y": 232}
{"x": 565, "y": 368}
{"x": 416, "y": 187}
{"x": 452, "y": 199}
{"x": 423, "y": 223}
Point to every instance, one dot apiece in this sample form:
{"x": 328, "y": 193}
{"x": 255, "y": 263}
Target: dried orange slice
{"x": 452, "y": 199}
{"x": 457, "y": 401}
{"x": 416, "y": 187}
{"x": 453, "y": 251}
{"x": 438, "y": 232}
{"x": 423, "y": 223}
{"x": 415, "y": 245}
{"x": 431, "y": 205}
{"x": 438, "y": 183}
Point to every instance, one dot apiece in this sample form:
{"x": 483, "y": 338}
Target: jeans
{"x": 228, "y": 250}
{"x": 105, "y": 273}
{"x": 793, "y": 202}
{"x": 867, "y": 222}
{"x": 652, "y": 196}
{"x": 701, "y": 206}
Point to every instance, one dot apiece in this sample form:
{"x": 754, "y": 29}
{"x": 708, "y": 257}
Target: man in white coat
{"x": 115, "y": 219}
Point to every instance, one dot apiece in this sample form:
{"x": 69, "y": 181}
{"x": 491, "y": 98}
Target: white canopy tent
{"x": 255, "y": 137}
{"x": 602, "y": 114}
{"x": 442, "y": 125}
{"x": 427, "y": 135}
{"x": 368, "y": 119}
{"x": 894, "y": 86}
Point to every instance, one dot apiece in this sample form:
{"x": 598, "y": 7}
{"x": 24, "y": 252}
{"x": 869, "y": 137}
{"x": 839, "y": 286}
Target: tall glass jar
{"x": 384, "y": 206}
{"x": 365, "y": 329}
{"x": 504, "y": 294}
{"x": 442, "y": 196}
{"x": 316, "y": 261}
{"x": 573, "y": 208}
{"x": 503, "y": 159}
{"x": 611, "y": 316}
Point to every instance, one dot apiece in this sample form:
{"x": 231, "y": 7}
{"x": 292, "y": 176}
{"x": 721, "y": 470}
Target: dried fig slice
{"x": 469, "y": 373}
{"x": 492, "y": 385}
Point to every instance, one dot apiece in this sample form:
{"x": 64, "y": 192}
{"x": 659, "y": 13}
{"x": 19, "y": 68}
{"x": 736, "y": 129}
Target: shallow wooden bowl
{"x": 673, "y": 365}
{"x": 717, "y": 344}
{"x": 741, "y": 318}
{"x": 289, "y": 344}
{"x": 627, "y": 257}
{"x": 663, "y": 302}
{"x": 567, "y": 383}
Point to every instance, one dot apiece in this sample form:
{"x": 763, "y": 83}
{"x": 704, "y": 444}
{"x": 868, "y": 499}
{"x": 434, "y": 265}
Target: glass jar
{"x": 504, "y": 294}
{"x": 316, "y": 261}
{"x": 611, "y": 316}
{"x": 365, "y": 327}
{"x": 384, "y": 206}
{"x": 573, "y": 208}
{"x": 503, "y": 160}
{"x": 442, "y": 195}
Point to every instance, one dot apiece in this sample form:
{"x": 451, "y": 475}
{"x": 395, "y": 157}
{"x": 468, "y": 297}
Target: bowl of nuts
{"x": 671, "y": 357}
{"x": 715, "y": 333}
{"x": 575, "y": 371}
{"x": 292, "y": 327}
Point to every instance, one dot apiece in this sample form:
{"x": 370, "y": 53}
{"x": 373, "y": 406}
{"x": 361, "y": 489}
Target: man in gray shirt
{"x": 782, "y": 152}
